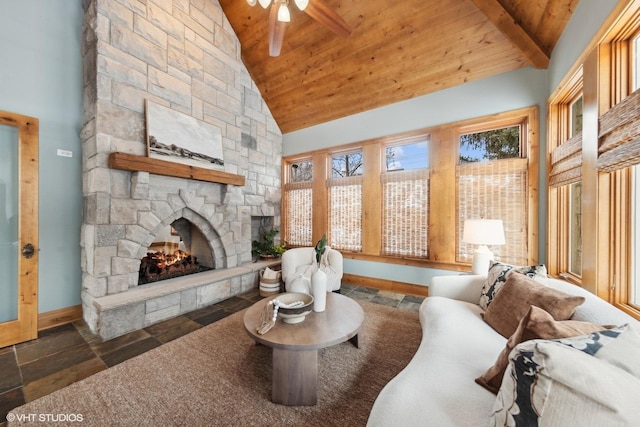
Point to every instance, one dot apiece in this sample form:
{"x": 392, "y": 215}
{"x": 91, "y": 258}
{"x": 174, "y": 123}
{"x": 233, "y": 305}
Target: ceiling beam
{"x": 503, "y": 20}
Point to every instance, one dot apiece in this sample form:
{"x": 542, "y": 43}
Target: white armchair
{"x": 299, "y": 263}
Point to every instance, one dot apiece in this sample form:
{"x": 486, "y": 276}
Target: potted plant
{"x": 266, "y": 246}
{"x": 320, "y": 248}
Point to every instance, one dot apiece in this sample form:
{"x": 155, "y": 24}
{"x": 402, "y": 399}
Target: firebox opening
{"x": 178, "y": 250}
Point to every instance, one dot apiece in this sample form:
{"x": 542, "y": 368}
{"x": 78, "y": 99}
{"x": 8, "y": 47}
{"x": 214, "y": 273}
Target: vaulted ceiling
{"x": 397, "y": 50}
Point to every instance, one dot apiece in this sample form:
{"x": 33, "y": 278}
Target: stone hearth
{"x": 181, "y": 54}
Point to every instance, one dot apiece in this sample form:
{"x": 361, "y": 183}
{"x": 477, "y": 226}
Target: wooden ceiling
{"x": 397, "y": 50}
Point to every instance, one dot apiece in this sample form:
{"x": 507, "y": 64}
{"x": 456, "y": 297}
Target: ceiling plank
{"x": 396, "y": 51}
{"x": 509, "y": 26}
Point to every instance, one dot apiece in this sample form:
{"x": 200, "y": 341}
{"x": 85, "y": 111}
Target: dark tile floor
{"x": 66, "y": 354}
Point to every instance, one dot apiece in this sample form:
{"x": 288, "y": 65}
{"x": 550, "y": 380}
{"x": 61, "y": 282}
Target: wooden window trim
{"x": 618, "y": 68}
{"x": 558, "y": 198}
{"x": 606, "y": 205}
{"x": 443, "y": 155}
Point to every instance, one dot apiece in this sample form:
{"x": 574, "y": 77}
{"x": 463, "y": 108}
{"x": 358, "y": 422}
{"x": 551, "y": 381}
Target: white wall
{"x": 41, "y": 76}
{"x": 585, "y": 22}
{"x": 508, "y": 91}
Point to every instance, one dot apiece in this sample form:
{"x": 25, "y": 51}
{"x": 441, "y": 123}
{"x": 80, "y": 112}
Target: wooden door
{"x": 18, "y": 228}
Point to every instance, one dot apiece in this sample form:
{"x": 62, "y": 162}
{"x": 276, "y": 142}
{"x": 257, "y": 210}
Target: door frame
{"x": 25, "y": 327}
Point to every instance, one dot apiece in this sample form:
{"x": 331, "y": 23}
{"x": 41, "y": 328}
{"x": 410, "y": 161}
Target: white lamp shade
{"x": 283, "y": 13}
{"x": 251, "y": 2}
{"x": 264, "y": 3}
{"x": 483, "y": 232}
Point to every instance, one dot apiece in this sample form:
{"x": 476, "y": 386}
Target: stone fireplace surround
{"x": 182, "y": 54}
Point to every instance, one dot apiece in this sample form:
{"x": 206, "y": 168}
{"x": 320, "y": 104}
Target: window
{"x": 575, "y": 199}
{"x": 405, "y": 200}
{"x": 297, "y": 203}
{"x": 575, "y": 109}
{"x": 394, "y": 199}
{"x": 345, "y": 201}
{"x": 634, "y": 282}
{"x": 618, "y": 162}
{"x": 565, "y": 180}
{"x": 495, "y": 144}
{"x": 492, "y": 184}
{"x": 634, "y": 289}
{"x": 633, "y": 295}
{"x": 575, "y": 229}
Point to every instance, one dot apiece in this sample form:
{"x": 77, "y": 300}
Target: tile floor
{"x": 66, "y": 354}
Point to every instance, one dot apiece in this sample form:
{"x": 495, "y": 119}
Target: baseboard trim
{"x": 386, "y": 285}
{"x": 59, "y": 317}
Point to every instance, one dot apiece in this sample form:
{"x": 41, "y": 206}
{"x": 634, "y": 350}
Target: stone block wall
{"x": 182, "y": 54}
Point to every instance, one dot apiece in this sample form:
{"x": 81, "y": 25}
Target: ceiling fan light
{"x": 251, "y": 2}
{"x": 302, "y": 4}
{"x": 283, "y": 13}
{"x": 264, "y": 3}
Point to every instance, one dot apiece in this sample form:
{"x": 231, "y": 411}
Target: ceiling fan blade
{"x": 318, "y": 10}
{"x": 276, "y": 30}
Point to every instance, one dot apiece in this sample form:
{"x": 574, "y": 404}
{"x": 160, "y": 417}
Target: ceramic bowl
{"x": 294, "y": 315}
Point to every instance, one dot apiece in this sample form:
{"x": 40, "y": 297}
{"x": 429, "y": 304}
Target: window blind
{"x": 566, "y": 162}
{"x": 345, "y": 213}
{"x": 494, "y": 190}
{"x": 619, "y": 135}
{"x": 298, "y": 207}
{"x": 405, "y": 213}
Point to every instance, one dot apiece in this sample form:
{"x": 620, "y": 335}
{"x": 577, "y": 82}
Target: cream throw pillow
{"x": 498, "y": 275}
{"x": 565, "y": 382}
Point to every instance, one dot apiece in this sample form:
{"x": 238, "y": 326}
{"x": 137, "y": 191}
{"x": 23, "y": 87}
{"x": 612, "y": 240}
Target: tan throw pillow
{"x": 518, "y": 294}
{"x": 536, "y": 324}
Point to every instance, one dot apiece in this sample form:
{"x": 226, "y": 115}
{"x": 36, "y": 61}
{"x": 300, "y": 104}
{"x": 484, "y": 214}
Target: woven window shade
{"x": 495, "y": 190}
{"x": 566, "y": 162}
{"x": 619, "y": 135}
{"x": 298, "y": 205}
{"x": 345, "y": 213}
{"x": 405, "y": 213}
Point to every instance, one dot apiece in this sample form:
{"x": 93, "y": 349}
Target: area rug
{"x": 218, "y": 376}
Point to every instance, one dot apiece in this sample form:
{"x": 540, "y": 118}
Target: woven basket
{"x": 270, "y": 286}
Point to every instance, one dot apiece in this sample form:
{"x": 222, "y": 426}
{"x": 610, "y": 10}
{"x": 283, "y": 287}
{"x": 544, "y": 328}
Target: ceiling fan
{"x": 279, "y": 17}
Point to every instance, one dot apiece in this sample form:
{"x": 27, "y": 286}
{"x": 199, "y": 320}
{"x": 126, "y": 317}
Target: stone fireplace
{"x": 183, "y": 55}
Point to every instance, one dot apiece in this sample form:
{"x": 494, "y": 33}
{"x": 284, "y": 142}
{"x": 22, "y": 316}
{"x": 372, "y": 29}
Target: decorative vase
{"x": 319, "y": 290}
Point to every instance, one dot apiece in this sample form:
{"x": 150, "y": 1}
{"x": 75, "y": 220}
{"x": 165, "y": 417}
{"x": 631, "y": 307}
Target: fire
{"x": 164, "y": 260}
{"x": 160, "y": 265}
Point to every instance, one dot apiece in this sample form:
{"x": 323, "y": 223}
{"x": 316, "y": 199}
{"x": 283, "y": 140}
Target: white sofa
{"x": 437, "y": 387}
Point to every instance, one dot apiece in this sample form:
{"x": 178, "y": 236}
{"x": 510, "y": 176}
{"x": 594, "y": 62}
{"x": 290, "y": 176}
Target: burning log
{"x": 157, "y": 266}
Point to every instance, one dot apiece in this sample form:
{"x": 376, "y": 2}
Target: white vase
{"x": 319, "y": 290}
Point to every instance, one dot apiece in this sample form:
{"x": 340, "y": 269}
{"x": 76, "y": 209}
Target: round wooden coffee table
{"x": 295, "y": 346}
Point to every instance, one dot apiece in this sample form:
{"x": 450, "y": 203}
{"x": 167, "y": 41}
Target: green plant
{"x": 321, "y": 246}
{"x": 266, "y": 246}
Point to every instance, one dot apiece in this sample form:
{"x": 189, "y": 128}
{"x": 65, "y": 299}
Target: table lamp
{"x": 483, "y": 232}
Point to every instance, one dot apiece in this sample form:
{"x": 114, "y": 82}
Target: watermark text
{"x": 45, "y": 418}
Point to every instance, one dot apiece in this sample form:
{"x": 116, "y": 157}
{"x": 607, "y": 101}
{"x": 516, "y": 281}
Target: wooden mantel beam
{"x": 133, "y": 163}
{"x": 503, "y": 20}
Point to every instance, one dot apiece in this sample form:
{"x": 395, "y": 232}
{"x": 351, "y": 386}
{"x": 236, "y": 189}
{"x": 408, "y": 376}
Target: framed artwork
{"x": 177, "y": 137}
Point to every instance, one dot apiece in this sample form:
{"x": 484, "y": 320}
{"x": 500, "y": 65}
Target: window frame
{"x": 559, "y": 198}
{"x": 443, "y": 157}
{"x": 619, "y": 46}
{"x": 606, "y": 67}
{"x": 522, "y": 123}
